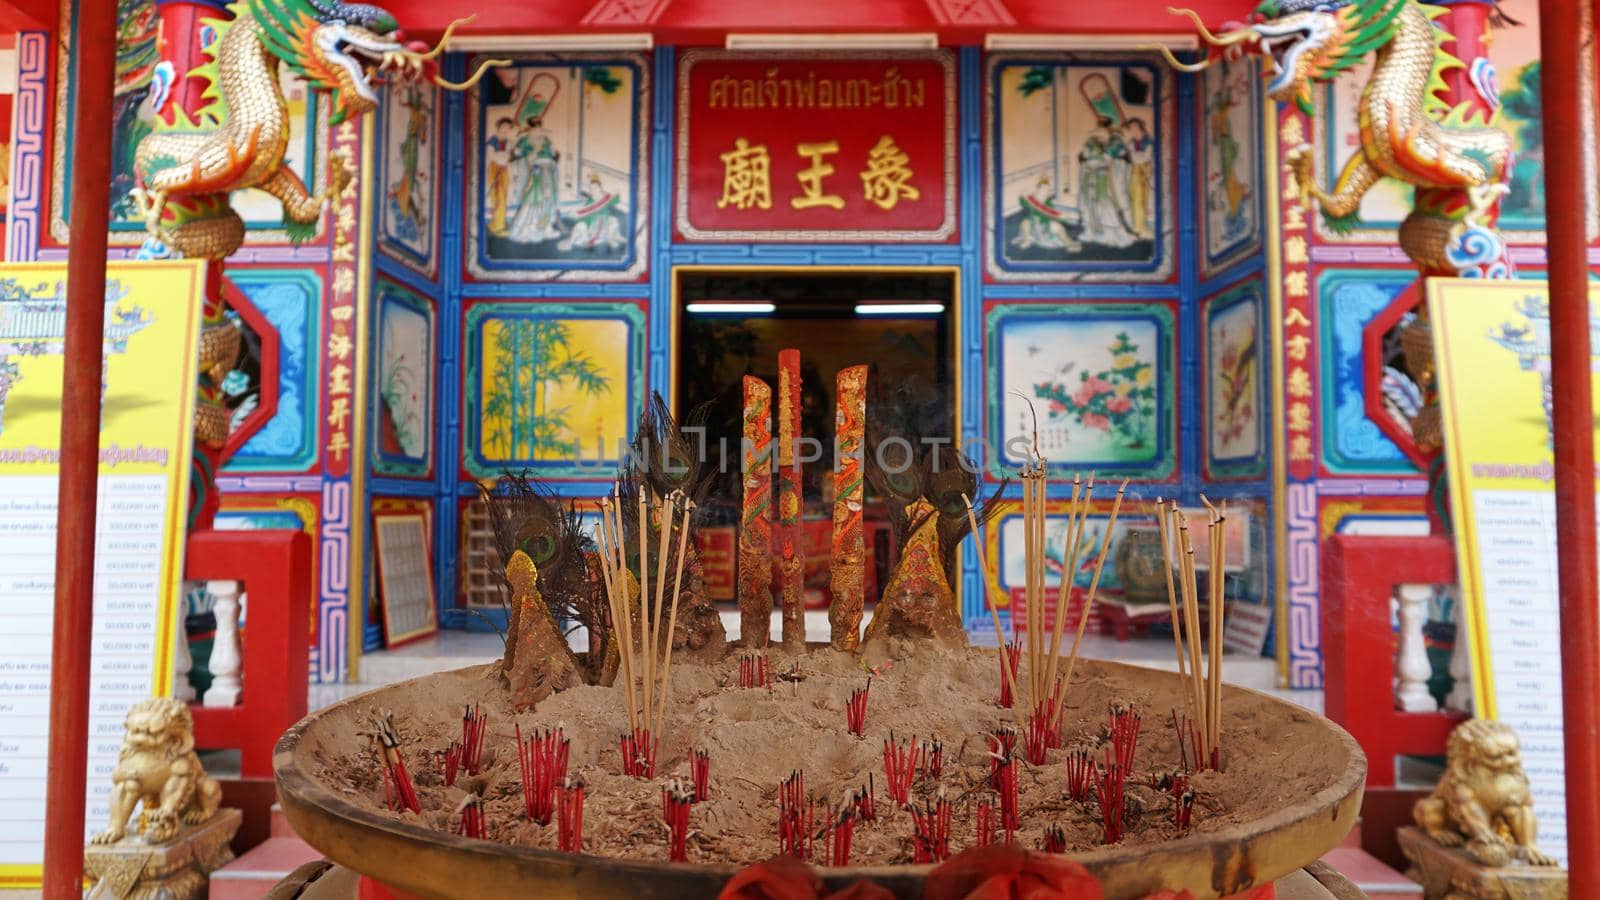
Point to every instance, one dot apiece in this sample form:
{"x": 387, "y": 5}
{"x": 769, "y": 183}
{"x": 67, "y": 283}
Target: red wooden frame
{"x": 1359, "y": 575}
{"x": 1372, "y": 372}
{"x": 275, "y": 568}
{"x": 267, "y": 406}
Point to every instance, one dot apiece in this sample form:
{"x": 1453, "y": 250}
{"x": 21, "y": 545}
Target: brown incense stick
{"x": 994, "y": 614}
{"x": 1191, "y": 617}
{"x": 1064, "y": 586}
{"x": 677, "y": 591}
{"x": 1088, "y": 606}
{"x": 1172, "y": 606}
{"x": 644, "y": 597}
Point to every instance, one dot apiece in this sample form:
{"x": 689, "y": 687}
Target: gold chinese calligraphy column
{"x": 790, "y": 547}
{"x": 755, "y": 522}
{"x": 848, "y": 563}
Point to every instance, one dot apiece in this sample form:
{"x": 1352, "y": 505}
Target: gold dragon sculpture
{"x": 239, "y": 135}
{"x": 1458, "y": 161}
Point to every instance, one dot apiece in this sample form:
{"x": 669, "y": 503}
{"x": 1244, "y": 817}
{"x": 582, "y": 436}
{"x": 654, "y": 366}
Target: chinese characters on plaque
{"x": 819, "y": 146}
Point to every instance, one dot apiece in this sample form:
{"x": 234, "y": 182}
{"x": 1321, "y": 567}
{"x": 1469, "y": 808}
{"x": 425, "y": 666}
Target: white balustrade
{"x": 227, "y": 663}
{"x": 182, "y": 662}
{"x": 1460, "y": 697}
{"x": 1412, "y": 669}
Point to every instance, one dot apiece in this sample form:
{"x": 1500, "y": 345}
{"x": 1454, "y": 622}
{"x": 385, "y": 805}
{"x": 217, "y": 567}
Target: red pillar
{"x": 1563, "y": 36}
{"x": 94, "y": 44}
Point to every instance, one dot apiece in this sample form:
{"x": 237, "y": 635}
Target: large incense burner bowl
{"x": 1282, "y": 824}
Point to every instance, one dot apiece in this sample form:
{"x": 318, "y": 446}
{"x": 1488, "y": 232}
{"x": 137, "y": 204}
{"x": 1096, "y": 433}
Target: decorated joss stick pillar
{"x": 755, "y": 531}
{"x": 1477, "y": 249}
{"x": 178, "y": 91}
{"x": 791, "y": 550}
{"x": 849, "y": 548}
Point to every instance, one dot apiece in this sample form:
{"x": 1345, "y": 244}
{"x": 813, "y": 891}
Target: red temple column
{"x": 1565, "y": 35}
{"x": 94, "y": 43}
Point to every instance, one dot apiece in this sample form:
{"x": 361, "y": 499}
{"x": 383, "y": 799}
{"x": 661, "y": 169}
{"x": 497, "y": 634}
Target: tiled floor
{"x": 456, "y": 649}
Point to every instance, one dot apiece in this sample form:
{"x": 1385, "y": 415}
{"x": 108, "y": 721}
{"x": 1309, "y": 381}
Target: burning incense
{"x": 472, "y": 822}
{"x": 755, "y": 533}
{"x": 1112, "y": 782}
{"x": 398, "y": 792}
{"x": 647, "y": 700}
{"x": 865, "y": 807}
{"x": 753, "y": 671}
{"x": 931, "y": 841}
{"x": 1088, "y": 605}
{"x": 899, "y": 766}
{"x": 1005, "y": 775}
{"x": 1199, "y": 731}
{"x": 1080, "y": 774}
{"x": 932, "y": 760}
{"x": 473, "y": 723}
{"x": 796, "y": 816}
{"x": 569, "y": 817}
{"x": 542, "y": 761}
{"x": 1010, "y": 657}
{"x": 700, "y": 774}
{"x": 855, "y": 711}
{"x": 1124, "y": 728}
{"x": 675, "y": 803}
{"x": 1008, "y": 674}
{"x": 450, "y": 763}
{"x": 840, "y": 832}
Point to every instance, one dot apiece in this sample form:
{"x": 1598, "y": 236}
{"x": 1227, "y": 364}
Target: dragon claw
{"x": 1302, "y": 171}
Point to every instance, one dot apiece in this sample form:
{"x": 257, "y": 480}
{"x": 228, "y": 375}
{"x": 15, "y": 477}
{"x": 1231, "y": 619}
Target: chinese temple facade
{"x": 1026, "y": 211}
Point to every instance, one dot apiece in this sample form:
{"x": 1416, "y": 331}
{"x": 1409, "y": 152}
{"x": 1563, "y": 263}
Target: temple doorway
{"x": 733, "y": 322}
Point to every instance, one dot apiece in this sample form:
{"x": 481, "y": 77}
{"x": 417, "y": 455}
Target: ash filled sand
{"x": 1276, "y": 755}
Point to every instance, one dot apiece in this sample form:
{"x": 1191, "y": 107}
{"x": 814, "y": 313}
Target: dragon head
{"x": 1305, "y": 41}
{"x": 345, "y": 49}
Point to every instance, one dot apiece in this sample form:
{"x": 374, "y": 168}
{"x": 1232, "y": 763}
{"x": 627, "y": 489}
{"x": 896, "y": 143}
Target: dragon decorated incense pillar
{"x": 222, "y": 125}
{"x": 848, "y": 562}
{"x": 790, "y": 548}
{"x": 179, "y": 93}
{"x": 755, "y": 531}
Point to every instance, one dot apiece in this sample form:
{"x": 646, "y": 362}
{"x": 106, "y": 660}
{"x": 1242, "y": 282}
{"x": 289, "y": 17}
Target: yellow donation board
{"x": 152, "y": 320}
{"x": 1492, "y": 344}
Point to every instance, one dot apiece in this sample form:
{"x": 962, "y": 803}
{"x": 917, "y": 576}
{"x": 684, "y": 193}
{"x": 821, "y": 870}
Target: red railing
{"x": 274, "y": 570}
{"x": 1360, "y": 576}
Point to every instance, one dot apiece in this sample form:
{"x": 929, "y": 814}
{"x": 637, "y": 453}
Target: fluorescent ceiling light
{"x": 899, "y": 309}
{"x": 725, "y": 309}
{"x": 859, "y": 41}
{"x": 1089, "y": 41}
{"x": 533, "y": 43}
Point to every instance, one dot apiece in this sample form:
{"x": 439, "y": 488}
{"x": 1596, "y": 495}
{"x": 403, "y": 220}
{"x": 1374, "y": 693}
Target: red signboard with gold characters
{"x": 816, "y": 146}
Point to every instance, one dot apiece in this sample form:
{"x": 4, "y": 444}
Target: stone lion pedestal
{"x": 179, "y": 869}
{"x": 1449, "y": 873}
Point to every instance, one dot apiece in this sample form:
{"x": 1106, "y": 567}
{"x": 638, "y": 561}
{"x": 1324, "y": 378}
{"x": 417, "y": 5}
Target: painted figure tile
{"x": 552, "y": 387}
{"x": 1235, "y": 403}
{"x": 1230, "y": 145}
{"x": 1351, "y": 442}
{"x": 408, "y": 208}
{"x": 142, "y": 82}
{"x": 403, "y": 392}
{"x": 559, "y": 181}
{"x": 1080, "y": 169}
{"x": 1097, "y": 377}
{"x": 291, "y": 299}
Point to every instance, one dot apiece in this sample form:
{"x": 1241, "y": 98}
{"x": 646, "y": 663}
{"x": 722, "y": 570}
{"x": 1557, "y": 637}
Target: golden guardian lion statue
{"x": 158, "y": 767}
{"x": 1483, "y": 800}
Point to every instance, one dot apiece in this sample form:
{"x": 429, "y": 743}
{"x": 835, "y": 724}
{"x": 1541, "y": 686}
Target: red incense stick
{"x": 675, "y": 803}
{"x": 700, "y": 774}
{"x": 542, "y": 761}
{"x": 899, "y": 765}
{"x": 1010, "y": 655}
{"x": 931, "y": 842}
{"x": 1055, "y": 840}
{"x": 856, "y": 710}
{"x": 1080, "y": 774}
{"x": 569, "y": 817}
